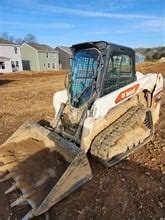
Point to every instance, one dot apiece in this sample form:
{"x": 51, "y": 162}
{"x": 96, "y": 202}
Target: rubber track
{"x": 108, "y": 137}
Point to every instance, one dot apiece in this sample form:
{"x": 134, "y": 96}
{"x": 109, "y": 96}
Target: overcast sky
{"x": 135, "y": 23}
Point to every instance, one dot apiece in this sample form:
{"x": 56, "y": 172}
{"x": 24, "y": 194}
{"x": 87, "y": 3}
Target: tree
{"x": 6, "y": 36}
{"x": 19, "y": 41}
{"x": 30, "y": 38}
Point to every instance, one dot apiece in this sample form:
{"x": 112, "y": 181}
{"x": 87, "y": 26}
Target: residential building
{"x": 10, "y": 57}
{"x": 39, "y": 57}
{"x": 139, "y": 57}
{"x": 65, "y": 54}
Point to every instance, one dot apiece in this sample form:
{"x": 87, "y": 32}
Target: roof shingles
{"x": 66, "y": 49}
{"x": 42, "y": 47}
{"x": 3, "y": 41}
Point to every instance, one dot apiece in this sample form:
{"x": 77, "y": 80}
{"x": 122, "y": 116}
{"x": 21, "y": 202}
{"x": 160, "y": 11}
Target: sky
{"x": 134, "y": 23}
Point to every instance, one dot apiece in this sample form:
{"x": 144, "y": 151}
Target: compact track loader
{"x": 107, "y": 109}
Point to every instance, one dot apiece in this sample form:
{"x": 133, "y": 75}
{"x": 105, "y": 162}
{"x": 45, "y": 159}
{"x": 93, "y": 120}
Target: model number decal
{"x": 126, "y": 93}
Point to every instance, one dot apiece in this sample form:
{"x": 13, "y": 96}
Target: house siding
{"x": 64, "y": 59}
{"x": 29, "y": 58}
{"x": 8, "y": 68}
{"x": 47, "y": 63}
{"x": 9, "y": 52}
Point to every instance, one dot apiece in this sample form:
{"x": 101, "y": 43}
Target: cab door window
{"x": 126, "y": 72}
{"x": 119, "y": 72}
{"x": 112, "y": 76}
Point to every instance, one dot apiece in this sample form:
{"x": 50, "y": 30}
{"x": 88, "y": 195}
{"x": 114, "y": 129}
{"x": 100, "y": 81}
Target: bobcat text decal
{"x": 126, "y": 93}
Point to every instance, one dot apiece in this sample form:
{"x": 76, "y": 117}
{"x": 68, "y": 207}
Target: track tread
{"x": 108, "y": 138}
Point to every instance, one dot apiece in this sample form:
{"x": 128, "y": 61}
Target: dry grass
{"x": 151, "y": 67}
{"x": 24, "y": 96}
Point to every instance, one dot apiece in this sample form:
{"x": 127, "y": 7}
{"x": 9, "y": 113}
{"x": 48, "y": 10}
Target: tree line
{"x": 154, "y": 53}
{"x": 28, "y": 38}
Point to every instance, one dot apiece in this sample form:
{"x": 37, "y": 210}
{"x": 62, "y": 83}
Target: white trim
{"x": 45, "y": 51}
{"x": 38, "y": 60}
{"x": 12, "y": 45}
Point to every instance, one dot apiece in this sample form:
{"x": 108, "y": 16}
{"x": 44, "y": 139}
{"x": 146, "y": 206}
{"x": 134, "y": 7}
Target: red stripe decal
{"x": 126, "y": 93}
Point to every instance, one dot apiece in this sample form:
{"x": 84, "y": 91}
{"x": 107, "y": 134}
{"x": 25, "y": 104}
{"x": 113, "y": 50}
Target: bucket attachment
{"x": 44, "y": 166}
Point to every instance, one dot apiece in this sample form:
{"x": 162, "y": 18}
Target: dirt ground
{"x": 132, "y": 189}
{"x": 151, "y": 67}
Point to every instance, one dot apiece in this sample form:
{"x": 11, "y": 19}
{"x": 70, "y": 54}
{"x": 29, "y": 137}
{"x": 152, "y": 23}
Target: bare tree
{"x": 6, "y": 36}
{"x": 30, "y": 38}
{"x": 19, "y": 41}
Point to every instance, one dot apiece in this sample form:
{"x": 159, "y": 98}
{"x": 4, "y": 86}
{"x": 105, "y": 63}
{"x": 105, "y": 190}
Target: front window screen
{"x": 83, "y": 77}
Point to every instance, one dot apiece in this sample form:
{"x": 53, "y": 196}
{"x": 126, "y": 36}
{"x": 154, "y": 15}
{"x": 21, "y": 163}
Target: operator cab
{"x": 98, "y": 68}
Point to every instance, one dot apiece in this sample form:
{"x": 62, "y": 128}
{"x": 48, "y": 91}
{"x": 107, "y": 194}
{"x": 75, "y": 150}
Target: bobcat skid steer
{"x": 107, "y": 109}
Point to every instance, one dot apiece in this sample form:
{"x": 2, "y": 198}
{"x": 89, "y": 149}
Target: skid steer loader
{"x": 107, "y": 109}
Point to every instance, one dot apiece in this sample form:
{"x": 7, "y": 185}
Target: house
{"x": 39, "y": 57}
{"x": 139, "y": 57}
{"x": 65, "y": 54}
{"x": 10, "y": 56}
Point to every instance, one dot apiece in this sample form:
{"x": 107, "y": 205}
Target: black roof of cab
{"x": 102, "y": 45}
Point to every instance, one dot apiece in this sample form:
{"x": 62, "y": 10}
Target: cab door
{"x": 119, "y": 72}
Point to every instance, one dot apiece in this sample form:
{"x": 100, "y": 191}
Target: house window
{"x": 12, "y": 64}
{"x": 47, "y": 55}
{"x": 17, "y": 63}
{"x": 48, "y": 65}
{"x": 2, "y": 65}
{"x": 15, "y": 50}
{"x": 53, "y": 65}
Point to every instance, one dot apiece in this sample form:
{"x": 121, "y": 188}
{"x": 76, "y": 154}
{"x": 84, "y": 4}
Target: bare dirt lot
{"x": 131, "y": 189}
{"x": 151, "y": 67}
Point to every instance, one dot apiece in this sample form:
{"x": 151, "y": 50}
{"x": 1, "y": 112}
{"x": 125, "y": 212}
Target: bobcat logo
{"x": 126, "y": 93}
